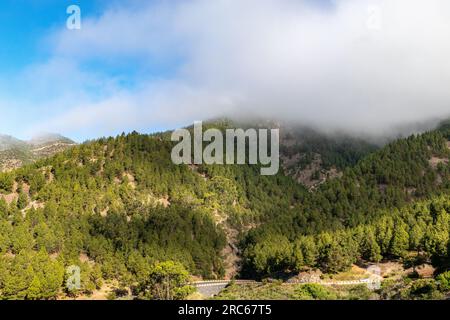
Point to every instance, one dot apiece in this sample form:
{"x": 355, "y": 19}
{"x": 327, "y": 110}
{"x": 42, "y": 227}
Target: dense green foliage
{"x": 390, "y": 178}
{"x": 86, "y": 203}
{"x": 115, "y": 207}
{"x": 365, "y": 213}
{"x": 423, "y": 227}
{"x": 280, "y": 291}
{"x": 398, "y": 289}
{"x": 165, "y": 281}
{"x": 411, "y": 289}
{"x": 119, "y": 209}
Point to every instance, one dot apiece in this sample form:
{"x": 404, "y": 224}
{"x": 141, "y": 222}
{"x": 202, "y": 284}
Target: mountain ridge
{"x": 15, "y": 152}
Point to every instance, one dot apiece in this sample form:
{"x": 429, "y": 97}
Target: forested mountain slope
{"x": 312, "y": 158}
{"x": 116, "y": 206}
{"x": 377, "y": 187}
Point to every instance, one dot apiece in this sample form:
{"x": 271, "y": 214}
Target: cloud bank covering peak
{"x": 354, "y": 65}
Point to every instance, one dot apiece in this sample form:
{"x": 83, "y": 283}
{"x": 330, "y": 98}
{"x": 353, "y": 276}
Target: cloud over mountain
{"x": 347, "y": 64}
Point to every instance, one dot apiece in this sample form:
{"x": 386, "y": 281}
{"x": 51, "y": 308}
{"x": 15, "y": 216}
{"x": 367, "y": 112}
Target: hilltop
{"x": 15, "y": 152}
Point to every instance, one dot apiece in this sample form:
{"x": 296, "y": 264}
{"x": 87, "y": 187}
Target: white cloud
{"x": 269, "y": 58}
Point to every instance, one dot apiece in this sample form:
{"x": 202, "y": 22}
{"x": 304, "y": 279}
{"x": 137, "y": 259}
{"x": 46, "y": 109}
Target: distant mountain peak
{"x": 9, "y": 142}
{"x": 15, "y": 152}
{"x": 48, "y": 138}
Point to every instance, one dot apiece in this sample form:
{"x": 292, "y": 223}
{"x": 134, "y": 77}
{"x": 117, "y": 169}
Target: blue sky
{"x": 25, "y": 24}
{"x": 26, "y": 27}
{"x": 356, "y": 65}
{"x": 29, "y": 57}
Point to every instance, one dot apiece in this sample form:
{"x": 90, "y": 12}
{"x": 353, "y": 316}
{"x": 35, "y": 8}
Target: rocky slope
{"x": 14, "y": 152}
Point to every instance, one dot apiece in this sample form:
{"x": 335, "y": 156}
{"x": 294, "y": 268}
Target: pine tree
{"x": 167, "y": 281}
{"x": 370, "y": 250}
{"x": 400, "y": 240}
{"x": 34, "y": 290}
{"x": 22, "y": 201}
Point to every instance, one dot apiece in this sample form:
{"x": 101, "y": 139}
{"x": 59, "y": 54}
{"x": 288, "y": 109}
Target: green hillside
{"x": 380, "y": 185}
{"x": 118, "y": 207}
